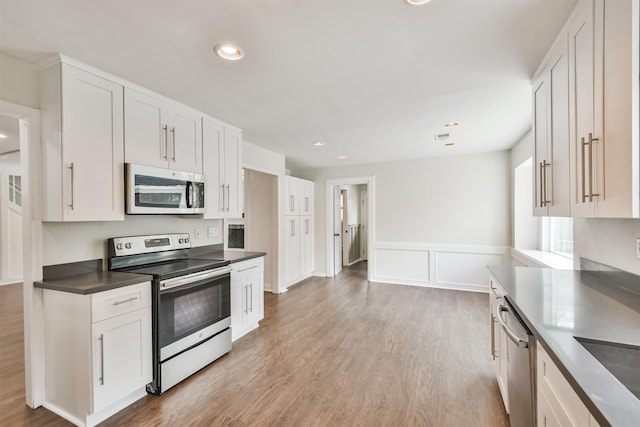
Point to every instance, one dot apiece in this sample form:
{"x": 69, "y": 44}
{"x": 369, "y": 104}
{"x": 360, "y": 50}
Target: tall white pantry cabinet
{"x": 298, "y": 229}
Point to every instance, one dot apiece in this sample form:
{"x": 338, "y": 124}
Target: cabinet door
{"x": 558, "y": 175}
{"x": 93, "y": 147}
{"x": 292, "y": 249}
{"x": 306, "y": 245}
{"x": 238, "y": 303}
{"x": 291, "y": 196}
{"x": 121, "y": 356}
{"x": 585, "y": 80}
{"x": 540, "y": 143}
{"x": 185, "y": 140}
{"x": 306, "y": 197}
{"x": 233, "y": 173}
{"x": 255, "y": 284}
{"x": 146, "y": 130}
{"x": 213, "y": 153}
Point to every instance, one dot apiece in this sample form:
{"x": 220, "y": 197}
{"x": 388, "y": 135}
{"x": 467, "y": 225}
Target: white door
{"x": 346, "y": 241}
{"x": 185, "y": 137}
{"x": 364, "y": 223}
{"x": 337, "y": 232}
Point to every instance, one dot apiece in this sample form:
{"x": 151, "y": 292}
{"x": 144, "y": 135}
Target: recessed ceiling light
{"x": 318, "y": 143}
{"x": 2, "y": 135}
{"x": 449, "y": 144}
{"x": 227, "y": 51}
{"x": 452, "y": 125}
{"x": 417, "y": 2}
{"x": 342, "y": 157}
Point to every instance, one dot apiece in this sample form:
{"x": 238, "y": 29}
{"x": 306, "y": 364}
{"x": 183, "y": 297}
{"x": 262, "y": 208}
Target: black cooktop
{"x": 182, "y": 267}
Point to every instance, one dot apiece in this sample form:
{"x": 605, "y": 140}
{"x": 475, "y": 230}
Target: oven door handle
{"x": 191, "y": 278}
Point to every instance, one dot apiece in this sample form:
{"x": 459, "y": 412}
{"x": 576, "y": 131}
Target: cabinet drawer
{"x": 115, "y": 302}
{"x": 560, "y": 400}
{"x": 249, "y": 266}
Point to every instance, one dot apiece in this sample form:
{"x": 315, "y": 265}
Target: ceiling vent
{"x": 441, "y": 136}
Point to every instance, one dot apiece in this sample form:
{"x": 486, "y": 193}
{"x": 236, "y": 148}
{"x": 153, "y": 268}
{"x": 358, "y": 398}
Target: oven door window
{"x": 155, "y": 192}
{"x": 190, "y": 308}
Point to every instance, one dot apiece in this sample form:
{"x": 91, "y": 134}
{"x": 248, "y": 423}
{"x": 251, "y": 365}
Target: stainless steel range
{"x": 191, "y": 303}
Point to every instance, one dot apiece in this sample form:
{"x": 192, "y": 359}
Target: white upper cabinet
{"x": 604, "y": 153}
{"x": 161, "y": 133}
{"x": 551, "y": 135}
{"x": 299, "y": 196}
{"x": 222, "y": 165}
{"x": 603, "y": 164}
{"x": 82, "y": 129}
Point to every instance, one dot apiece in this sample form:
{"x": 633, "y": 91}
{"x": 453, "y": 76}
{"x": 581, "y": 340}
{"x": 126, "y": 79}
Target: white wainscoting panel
{"x": 438, "y": 266}
{"x": 408, "y": 266}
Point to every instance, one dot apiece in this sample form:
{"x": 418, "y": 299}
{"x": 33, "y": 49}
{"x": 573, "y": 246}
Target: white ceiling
{"x": 375, "y": 79}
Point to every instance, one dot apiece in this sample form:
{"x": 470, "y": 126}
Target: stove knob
{"x": 127, "y": 245}
{"x": 186, "y": 240}
{"x": 181, "y": 240}
{"x": 119, "y": 246}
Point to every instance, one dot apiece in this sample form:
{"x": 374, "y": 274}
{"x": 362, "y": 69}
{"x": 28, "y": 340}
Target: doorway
{"x": 10, "y": 201}
{"x": 261, "y": 221}
{"x": 30, "y": 194}
{"x": 349, "y": 239}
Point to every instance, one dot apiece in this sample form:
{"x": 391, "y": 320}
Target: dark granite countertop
{"x": 231, "y": 256}
{"x": 558, "y": 305}
{"x": 92, "y": 282}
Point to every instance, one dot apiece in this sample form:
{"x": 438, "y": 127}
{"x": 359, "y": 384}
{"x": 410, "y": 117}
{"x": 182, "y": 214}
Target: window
{"x": 15, "y": 189}
{"x": 557, "y": 236}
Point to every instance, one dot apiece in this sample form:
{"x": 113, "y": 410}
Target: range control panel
{"x": 135, "y": 245}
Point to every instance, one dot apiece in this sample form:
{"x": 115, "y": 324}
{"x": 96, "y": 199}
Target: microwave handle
{"x": 189, "y": 194}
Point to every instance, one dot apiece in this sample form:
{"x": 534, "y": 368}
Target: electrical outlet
{"x": 638, "y": 247}
{"x": 213, "y": 232}
{"x": 198, "y": 233}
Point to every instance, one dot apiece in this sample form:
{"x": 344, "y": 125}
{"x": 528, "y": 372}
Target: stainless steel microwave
{"x": 152, "y": 190}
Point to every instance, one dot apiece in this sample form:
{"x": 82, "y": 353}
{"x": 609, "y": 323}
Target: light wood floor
{"x": 330, "y": 352}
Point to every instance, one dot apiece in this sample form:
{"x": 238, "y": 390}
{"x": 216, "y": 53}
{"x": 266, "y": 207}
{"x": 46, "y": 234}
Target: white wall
{"x": 80, "y": 241}
{"x": 19, "y": 82}
{"x": 608, "y": 241}
{"x": 424, "y": 206}
{"x": 258, "y": 158}
{"x": 353, "y": 202}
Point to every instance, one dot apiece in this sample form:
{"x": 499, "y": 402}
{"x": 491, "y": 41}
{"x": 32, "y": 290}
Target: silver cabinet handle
{"x": 221, "y": 198}
{"x": 582, "y": 161}
{"x": 293, "y": 228}
{"x": 306, "y": 204}
{"x": 173, "y": 145}
{"x": 590, "y": 146}
{"x": 545, "y": 183}
{"x": 124, "y": 301}
{"x": 163, "y": 153}
{"x": 540, "y": 172}
{"x": 512, "y": 335}
{"x": 292, "y": 201}
{"x": 101, "y": 339}
{"x": 246, "y": 299}
{"x": 493, "y": 340}
{"x": 307, "y": 226}
{"x": 251, "y": 298}
{"x": 247, "y": 269}
{"x": 72, "y": 167}
{"x": 228, "y": 188}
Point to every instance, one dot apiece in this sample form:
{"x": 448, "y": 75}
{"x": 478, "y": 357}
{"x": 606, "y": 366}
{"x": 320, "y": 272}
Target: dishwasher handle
{"x": 512, "y": 335}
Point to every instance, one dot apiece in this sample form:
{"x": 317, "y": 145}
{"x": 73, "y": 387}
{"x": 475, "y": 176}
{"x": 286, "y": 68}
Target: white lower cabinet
{"x": 558, "y": 403}
{"x": 97, "y": 351}
{"x": 498, "y": 340}
{"x": 247, "y": 292}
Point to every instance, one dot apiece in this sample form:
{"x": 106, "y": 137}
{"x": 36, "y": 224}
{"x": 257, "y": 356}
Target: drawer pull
{"x": 247, "y": 269}
{"x": 101, "y": 379}
{"x": 125, "y": 301}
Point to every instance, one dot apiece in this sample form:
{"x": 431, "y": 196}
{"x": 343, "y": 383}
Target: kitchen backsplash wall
{"x": 608, "y": 241}
{"x": 79, "y": 241}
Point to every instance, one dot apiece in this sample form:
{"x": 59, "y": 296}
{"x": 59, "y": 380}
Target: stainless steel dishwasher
{"x": 521, "y": 362}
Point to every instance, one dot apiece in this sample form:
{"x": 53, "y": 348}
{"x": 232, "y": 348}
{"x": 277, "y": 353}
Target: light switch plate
{"x": 213, "y": 232}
